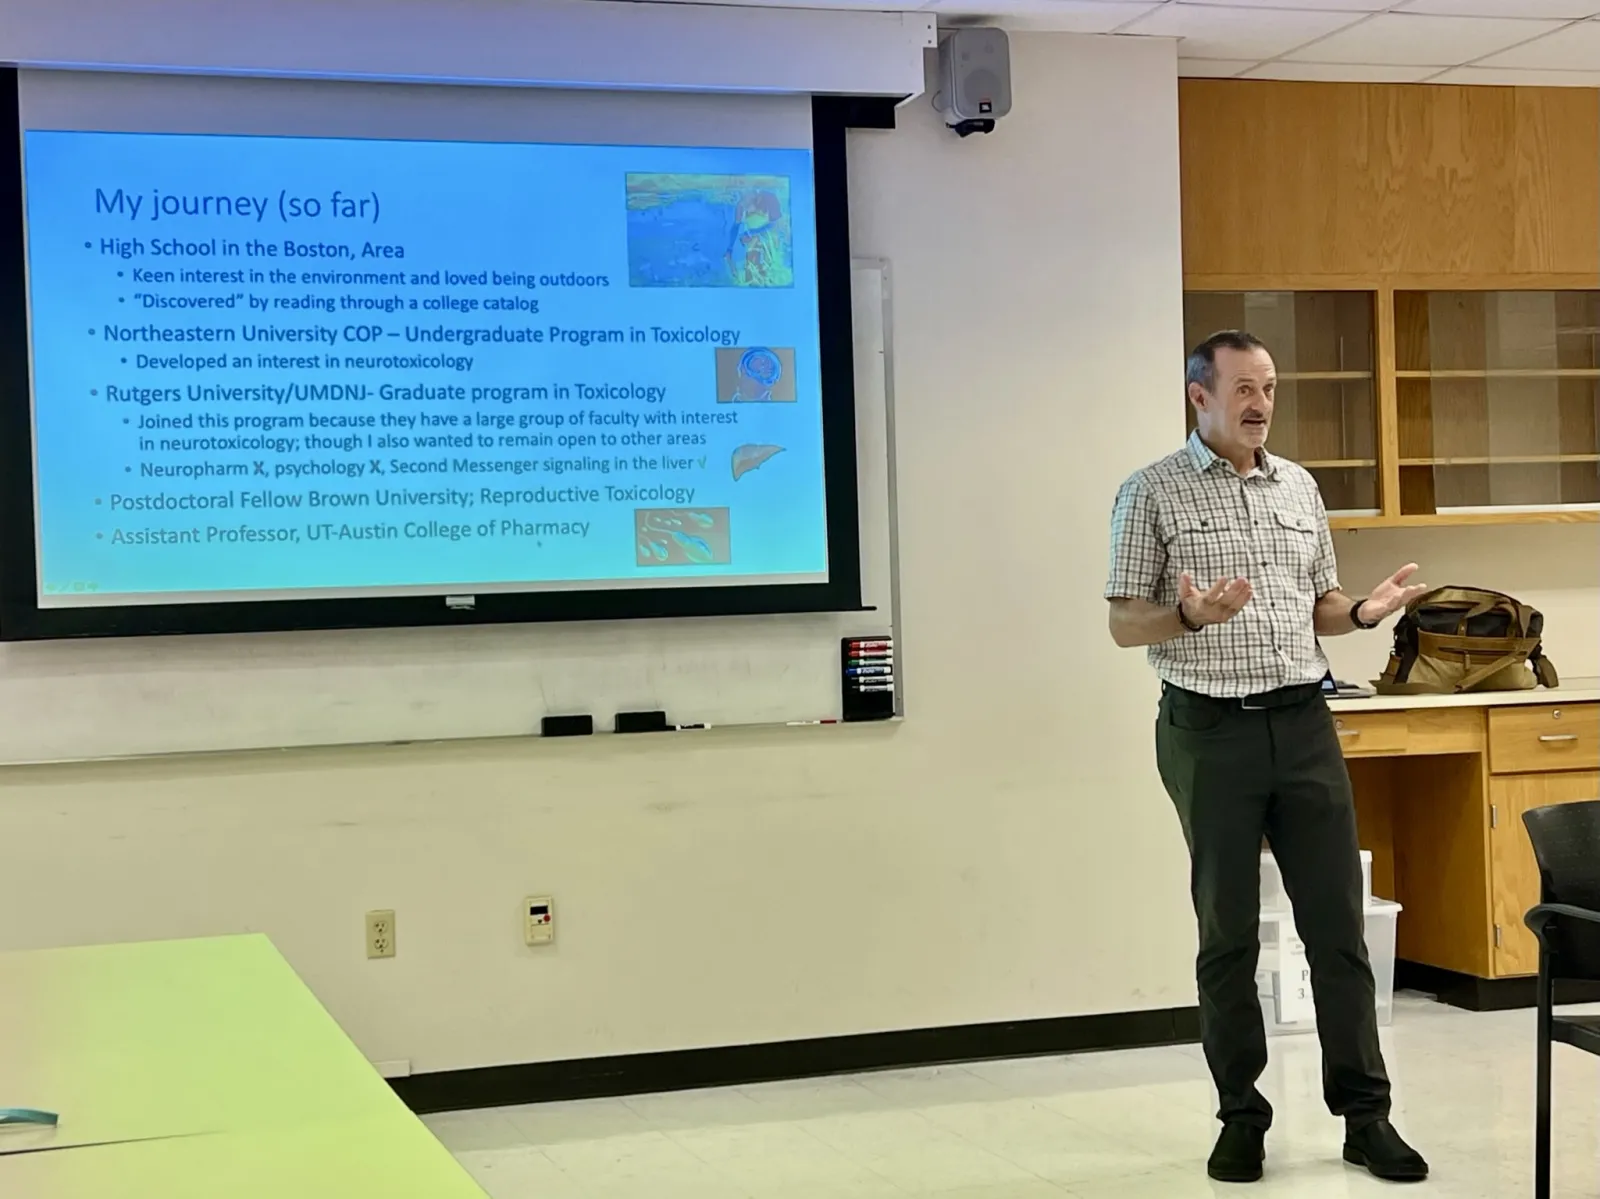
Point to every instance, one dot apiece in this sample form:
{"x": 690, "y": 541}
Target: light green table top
{"x": 216, "y": 1069}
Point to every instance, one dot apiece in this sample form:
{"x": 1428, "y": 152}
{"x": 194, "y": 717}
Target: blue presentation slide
{"x": 274, "y": 364}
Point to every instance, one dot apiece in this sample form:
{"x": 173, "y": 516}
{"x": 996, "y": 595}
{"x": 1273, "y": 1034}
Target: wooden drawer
{"x": 1362, "y": 733}
{"x": 1536, "y": 738}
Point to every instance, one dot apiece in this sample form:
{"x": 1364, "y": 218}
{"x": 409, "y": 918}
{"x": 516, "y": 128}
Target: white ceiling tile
{"x": 1422, "y": 41}
{"x": 871, "y": 5}
{"x": 1566, "y": 10}
{"x": 1338, "y": 72}
{"x": 1060, "y": 16}
{"x": 1511, "y": 77}
{"x": 1575, "y": 48}
{"x": 1325, "y": 5}
{"x": 1238, "y": 33}
{"x": 1212, "y": 68}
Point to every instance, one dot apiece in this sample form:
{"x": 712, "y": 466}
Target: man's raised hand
{"x": 1225, "y": 600}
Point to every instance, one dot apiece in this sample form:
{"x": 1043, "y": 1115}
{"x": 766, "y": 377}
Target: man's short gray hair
{"x": 1202, "y": 366}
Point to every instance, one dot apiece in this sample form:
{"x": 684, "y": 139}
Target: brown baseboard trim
{"x": 1474, "y": 994}
{"x": 689, "y": 1069}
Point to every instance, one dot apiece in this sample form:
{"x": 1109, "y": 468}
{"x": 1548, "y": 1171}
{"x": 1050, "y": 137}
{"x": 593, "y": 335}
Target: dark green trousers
{"x": 1237, "y": 775}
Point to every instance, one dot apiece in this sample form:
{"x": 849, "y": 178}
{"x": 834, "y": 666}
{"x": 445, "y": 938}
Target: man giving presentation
{"x": 1223, "y": 565}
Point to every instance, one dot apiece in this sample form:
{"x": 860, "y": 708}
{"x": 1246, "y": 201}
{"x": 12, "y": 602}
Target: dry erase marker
{"x": 884, "y": 687}
{"x": 871, "y": 670}
{"x": 794, "y": 724}
{"x": 681, "y": 727}
{"x": 872, "y": 645}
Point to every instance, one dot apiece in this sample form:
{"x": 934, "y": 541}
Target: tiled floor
{"x": 1131, "y": 1125}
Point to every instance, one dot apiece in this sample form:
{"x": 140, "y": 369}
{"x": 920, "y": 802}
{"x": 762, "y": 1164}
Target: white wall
{"x": 1556, "y": 568}
{"x": 1007, "y": 853}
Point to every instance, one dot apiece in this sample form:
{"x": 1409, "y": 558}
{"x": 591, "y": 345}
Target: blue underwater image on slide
{"x": 322, "y": 365}
{"x": 709, "y": 231}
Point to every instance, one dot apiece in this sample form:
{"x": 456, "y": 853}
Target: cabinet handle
{"x": 1558, "y": 736}
{"x": 1349, "y": 732}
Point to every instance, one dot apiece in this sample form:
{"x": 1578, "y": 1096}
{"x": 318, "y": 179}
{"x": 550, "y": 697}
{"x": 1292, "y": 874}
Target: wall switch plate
{"x": 538, "y": 920}
{"x": 380, "y": 934}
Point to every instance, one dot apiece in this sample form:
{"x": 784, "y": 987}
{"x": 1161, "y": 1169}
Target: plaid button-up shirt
{"x": 1193, "y": 512}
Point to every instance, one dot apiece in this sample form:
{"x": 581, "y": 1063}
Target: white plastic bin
{"x": 1283, "y": 985}
{"x": 1275, "y": 899}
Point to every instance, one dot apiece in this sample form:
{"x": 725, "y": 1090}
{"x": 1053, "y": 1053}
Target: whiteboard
{"x": 77, "y": 700}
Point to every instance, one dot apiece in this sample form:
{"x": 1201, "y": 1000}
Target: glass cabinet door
{"x": 1326, "y": 411}
{"x": 1498, "y": 393}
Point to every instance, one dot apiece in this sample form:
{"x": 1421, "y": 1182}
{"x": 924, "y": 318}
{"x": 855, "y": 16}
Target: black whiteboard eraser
{"x": 642, "y": 722}
{"x": 567, "y": 726}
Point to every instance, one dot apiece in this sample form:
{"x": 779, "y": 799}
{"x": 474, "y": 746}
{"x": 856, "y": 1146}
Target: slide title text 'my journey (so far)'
{"x": 610, "y": 370}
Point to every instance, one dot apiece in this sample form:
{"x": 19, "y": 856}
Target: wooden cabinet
{"x": 1460, "y": 223}
{"x": 1430, "y": 407}
{"x": 1387, "y": 182}
{"x": 1327, "y": 410}
{"x": 1514, "y": 872}
{"x": 1496, "y": 401}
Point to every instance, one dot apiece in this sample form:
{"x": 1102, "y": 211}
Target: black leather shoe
{"x": 1239, "y": 1153}
{"x": 1378, "y": 1147}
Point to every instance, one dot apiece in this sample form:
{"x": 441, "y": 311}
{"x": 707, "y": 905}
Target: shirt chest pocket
{"x": 1210, "y": 548}
{"x": 1295, "y": 542}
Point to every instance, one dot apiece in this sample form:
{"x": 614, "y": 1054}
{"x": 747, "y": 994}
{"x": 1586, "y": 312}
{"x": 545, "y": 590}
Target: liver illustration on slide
{"x": 747, "y": 457}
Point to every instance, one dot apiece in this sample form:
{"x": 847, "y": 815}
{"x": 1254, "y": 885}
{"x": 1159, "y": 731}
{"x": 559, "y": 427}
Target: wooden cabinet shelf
{"x": 1508, "y": 460}
{"x": 1321, "y": 376}
{"x": 1498, "y": 516}
{"x": 1418, "y": 408}
{"x": 1552, "y": 373}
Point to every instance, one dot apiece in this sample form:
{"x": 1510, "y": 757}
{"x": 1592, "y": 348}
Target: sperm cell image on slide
{"x": 682, "y": 537}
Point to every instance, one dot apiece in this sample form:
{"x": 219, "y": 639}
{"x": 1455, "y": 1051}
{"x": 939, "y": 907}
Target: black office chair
{"x": 1566, "y": 842}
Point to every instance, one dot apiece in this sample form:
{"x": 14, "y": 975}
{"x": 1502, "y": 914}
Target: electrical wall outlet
{"x": 538, "y": 920}
{"x": 380, "y": 934}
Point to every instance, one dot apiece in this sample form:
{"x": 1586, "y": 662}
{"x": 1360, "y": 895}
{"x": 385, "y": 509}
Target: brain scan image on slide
{"x": 759, "y": 375}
